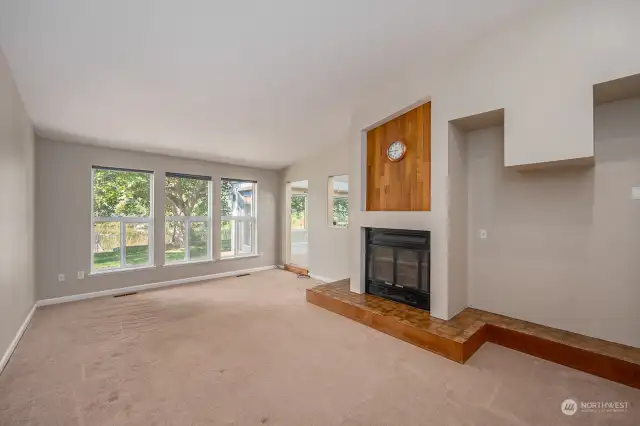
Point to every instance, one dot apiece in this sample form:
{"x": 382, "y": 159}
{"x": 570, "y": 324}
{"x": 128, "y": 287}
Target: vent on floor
{"x": 126, "y": 294}
{"x": 242, "y": 275}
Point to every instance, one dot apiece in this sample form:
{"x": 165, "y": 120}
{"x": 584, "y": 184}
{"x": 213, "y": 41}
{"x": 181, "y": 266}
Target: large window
{"x": 121, "y": 219}
{"x": 187, "y": 218}
{"x": 339, "y": 201}
{"x": 238, "y": 218}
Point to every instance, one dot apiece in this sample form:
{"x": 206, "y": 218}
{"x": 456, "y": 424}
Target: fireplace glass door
{"x": 398, "y": 266}
{"x": 407, "y": 268}
{"x": 381, "y": 264}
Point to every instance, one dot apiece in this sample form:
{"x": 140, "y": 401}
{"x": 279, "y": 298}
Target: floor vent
{"x": 242, "y": 275}
{"x": 126, "y": 294}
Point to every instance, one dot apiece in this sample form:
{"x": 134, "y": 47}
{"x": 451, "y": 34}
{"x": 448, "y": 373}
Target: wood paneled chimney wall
{"x": 404, "y": 185}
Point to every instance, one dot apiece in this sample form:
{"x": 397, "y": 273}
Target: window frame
{"x": 330, "y": 200}
{"x": 123, "y": 221}
{"x": 188, "y": 220}
{"x": 253, "y": 219}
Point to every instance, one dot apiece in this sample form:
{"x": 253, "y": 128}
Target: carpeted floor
{"x": 251, "y": 351}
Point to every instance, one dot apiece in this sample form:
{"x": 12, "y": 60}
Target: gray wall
{"x": 16, "y": 212}
{"x": 563, "y": 246}
{"x": 63, "y": 216}
{"x": 328, "y": 246}
{"x": 458, "y": 219}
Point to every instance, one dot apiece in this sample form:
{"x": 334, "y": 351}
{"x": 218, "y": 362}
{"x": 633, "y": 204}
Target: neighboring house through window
{"x": 238, "y": 217}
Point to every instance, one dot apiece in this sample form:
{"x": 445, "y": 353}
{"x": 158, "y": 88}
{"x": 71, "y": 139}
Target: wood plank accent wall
{"x": 404, "y": 185}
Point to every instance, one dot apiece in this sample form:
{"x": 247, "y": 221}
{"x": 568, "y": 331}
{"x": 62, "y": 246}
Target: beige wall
{"x": 63, "y": 216}
{"x": 328, "y": 246}
{"x": 563, "y": 245}
{"x": 16, "y": 212}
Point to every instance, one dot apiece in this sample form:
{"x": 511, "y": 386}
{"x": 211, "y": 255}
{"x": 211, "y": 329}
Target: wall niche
{"x": 403, "y": 185}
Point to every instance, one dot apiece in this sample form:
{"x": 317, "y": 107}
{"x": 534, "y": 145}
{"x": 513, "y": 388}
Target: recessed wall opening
{"x": 398, "y": 163}
{"x": 552, "y": 246}
{"x": 459, "y": 179}
{"x": 338, "y": 201}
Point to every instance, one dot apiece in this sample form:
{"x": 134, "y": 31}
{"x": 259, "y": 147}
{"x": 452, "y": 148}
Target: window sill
{"x": 187, "y": 262}
{"x": 338, "y": 227}
{"x": 116, "y": 271}
{"x": 243, "y": 256}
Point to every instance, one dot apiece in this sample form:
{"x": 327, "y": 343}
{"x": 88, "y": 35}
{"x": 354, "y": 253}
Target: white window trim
{"x": 188, "y": 219}
{"x": 253, "y": 219}
{"x": 115, "y": 271}
{"x": 330, "y": 199}
{"x": 123, "y": 220}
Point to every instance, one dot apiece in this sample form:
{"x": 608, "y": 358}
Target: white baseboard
{"x": 323, "y": 279}
{"x": 122, "y": 290}
{"x": 16, "y": 340}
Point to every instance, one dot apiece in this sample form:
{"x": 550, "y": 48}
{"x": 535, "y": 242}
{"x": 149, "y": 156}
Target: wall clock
{"x": 396, "y": 151}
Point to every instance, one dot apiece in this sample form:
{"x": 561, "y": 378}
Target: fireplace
{"x": 397, "y": 265}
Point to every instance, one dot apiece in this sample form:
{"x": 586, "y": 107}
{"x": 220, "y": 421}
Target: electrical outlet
{"x": 60, "y": 277}
{"x": 81, "y": 275}
{"x": 483, "y": 234}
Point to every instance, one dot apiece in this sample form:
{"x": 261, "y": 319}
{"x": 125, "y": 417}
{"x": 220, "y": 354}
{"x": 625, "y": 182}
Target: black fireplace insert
{"x": 398, "y": 265}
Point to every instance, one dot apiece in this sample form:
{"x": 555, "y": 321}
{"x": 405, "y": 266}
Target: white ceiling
{"x": 248, "y": 82}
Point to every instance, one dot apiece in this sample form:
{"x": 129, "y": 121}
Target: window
{"x": 187, "y": 218}
{"x": 238, "y": 218}
{"x": 338, "y": 212}
{"x": 121, "y": 219}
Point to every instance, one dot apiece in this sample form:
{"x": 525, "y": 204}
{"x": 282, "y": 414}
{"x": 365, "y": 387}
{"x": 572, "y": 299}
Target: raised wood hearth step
{"x": 459, "y": 337}
{"x": 296, "y": 269}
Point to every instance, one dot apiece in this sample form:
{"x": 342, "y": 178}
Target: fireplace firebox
{"x": 398, "y": 265}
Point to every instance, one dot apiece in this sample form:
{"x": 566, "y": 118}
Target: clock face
{"x": 396, "y": 151}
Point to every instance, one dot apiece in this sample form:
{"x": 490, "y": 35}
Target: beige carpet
{"x": 251, "y": 351}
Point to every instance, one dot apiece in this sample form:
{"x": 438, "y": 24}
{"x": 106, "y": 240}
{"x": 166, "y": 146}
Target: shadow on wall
{"x": 562, "y": 243}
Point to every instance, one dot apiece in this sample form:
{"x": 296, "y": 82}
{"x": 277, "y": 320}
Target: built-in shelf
{"x": 616, "y": 90}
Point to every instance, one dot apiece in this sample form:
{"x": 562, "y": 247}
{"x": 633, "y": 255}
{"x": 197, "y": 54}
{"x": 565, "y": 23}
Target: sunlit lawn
{"x": 139, "y": 255}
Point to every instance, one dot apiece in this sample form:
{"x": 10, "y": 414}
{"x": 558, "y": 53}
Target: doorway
{"x": 298, "y": 244}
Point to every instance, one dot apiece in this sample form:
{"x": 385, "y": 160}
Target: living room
{"x": 460, "y": 183}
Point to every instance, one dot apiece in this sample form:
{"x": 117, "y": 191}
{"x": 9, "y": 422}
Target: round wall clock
{"x": 396, "y": 151}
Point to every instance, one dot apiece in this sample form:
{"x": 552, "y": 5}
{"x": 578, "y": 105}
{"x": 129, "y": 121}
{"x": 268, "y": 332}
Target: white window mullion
{"x": 93, "y": 229}
{"x": 236, "y": 236}
{"x": 123, "y": 243}
{"x": 187, "y": 251}
{"x": 254, "y": 235}
{"x": 209, "y": 238}
{"x": 233, "y": 237}
{"x": 150, "y": 240}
